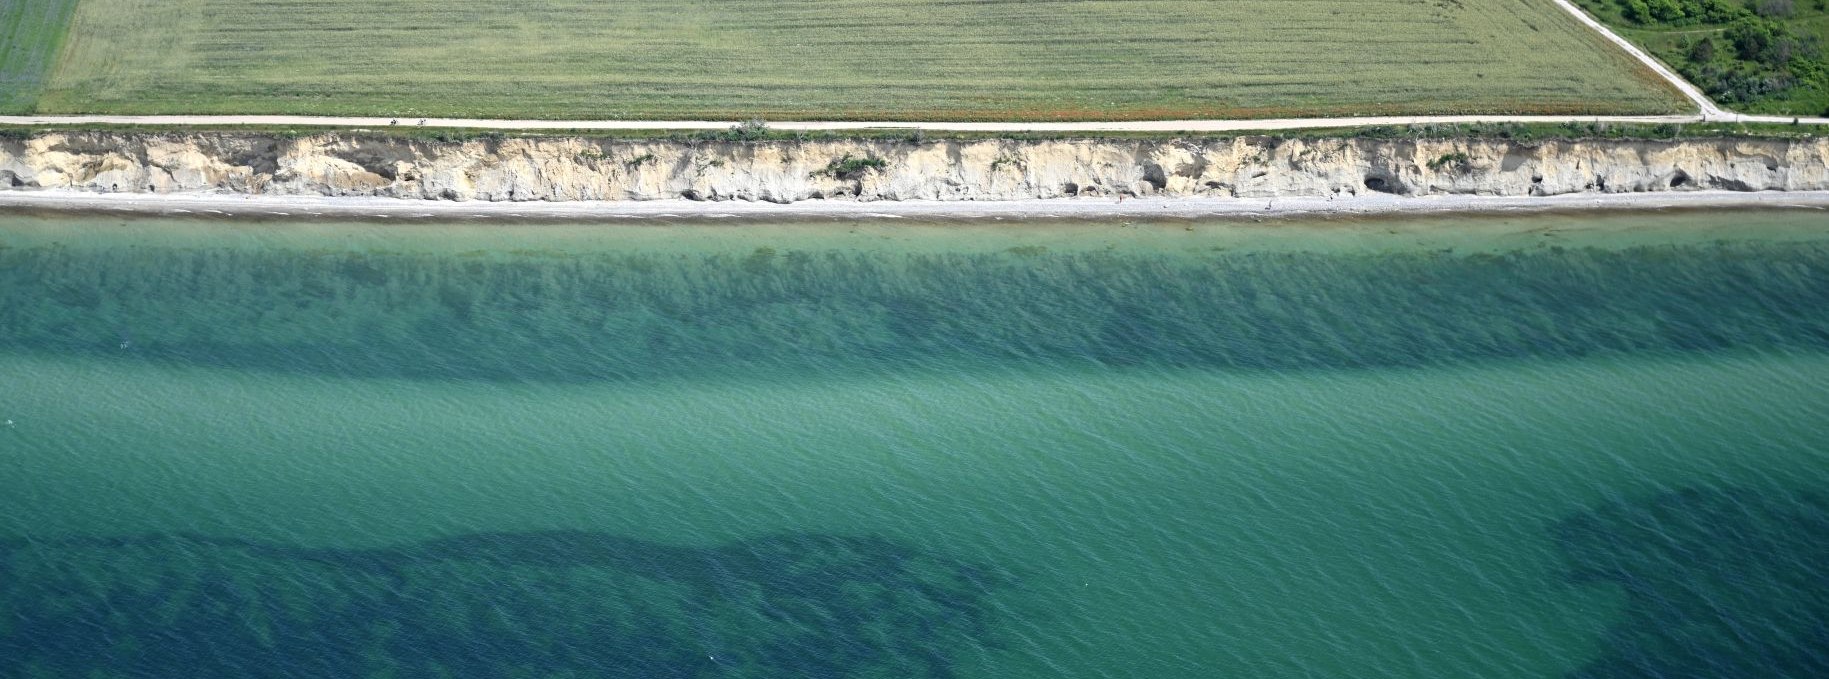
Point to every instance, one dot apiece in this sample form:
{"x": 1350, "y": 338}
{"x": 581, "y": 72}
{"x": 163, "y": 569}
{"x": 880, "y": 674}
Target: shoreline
{"x": 226, "y": 205}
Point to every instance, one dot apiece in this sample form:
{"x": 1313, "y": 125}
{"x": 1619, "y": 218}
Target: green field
{"x": 30, "y": 31}
{"x": 857, "y": 59}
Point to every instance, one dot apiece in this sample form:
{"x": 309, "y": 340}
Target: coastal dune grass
{"x": 842, "y": 59}
{"x": 30, "y": 31}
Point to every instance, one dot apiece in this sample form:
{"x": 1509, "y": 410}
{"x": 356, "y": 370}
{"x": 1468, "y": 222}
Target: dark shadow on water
{"x": 1719, "y": 584}
{"x": 488, "y": 605}
{"x": 639, "y": 315}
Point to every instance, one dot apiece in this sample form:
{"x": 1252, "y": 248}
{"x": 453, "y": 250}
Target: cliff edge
{"x": 567, "y": 169}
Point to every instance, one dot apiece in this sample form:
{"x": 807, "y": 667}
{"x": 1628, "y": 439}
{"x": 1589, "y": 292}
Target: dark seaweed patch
{"x": 487, "y": 605}
{"x": 637, "y": 315}
{"x": 1719, "y": 584}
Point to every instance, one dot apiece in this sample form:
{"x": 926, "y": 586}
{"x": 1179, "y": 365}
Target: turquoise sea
{"x": 1573, "y": 445}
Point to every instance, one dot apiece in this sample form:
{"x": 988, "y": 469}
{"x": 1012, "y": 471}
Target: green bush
{"x": 754, "y": 129}
{"x": 849, "y": 167}
{"x": 1776, "y": 9}
{"x": 1703, "y": 51}
{"x": 1458, "y": 161}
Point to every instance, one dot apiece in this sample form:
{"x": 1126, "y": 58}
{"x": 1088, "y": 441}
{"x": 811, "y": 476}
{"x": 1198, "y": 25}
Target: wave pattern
{"x": 1168, "y": 523}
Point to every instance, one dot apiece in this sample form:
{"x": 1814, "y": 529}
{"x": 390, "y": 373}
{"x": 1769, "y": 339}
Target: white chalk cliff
{"x": 562, "y": 169}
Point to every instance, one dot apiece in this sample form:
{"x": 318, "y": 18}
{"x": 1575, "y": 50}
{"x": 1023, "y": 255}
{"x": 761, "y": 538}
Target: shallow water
{"x": 1503, "y": 446}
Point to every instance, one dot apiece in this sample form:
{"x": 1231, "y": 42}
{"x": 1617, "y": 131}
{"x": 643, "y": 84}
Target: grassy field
{"x": 838, "y": 59}
{"x": 30, "y": 31}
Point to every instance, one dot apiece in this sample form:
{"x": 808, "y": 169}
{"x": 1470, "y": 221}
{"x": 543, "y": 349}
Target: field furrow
{"x": 30, "y": 32}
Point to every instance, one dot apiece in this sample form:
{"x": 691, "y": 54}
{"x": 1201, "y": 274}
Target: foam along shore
{"x": 365, "y": 207}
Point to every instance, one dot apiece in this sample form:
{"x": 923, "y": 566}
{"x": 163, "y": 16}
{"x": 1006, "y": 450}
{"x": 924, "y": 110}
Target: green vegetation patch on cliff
{"x": 1512, "y": 131}
{"x": 843, "y": 59}
{"x": 30, "y": 32}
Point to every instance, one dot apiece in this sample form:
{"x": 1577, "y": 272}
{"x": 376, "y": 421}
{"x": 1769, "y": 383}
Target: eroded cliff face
{"x": 551, "y": 169}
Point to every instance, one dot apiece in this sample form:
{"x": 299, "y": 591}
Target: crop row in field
{"x": 30, "y": 31}
{"x": 859, "y": 59}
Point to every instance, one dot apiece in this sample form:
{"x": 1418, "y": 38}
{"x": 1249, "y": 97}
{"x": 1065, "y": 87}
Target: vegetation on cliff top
{"x": 1514, "y": 131}
{"x": 1761, "y": 56}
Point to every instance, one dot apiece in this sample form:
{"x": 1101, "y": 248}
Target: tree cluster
{"x": 1756, "y": 55}
{"x": 1681, "y": 12}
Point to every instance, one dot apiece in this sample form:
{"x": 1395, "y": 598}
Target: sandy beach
{"x": 242, "y": 205}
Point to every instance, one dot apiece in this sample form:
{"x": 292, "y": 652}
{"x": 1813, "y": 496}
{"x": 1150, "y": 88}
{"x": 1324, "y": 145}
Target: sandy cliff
{"x": 553, "y": 169}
